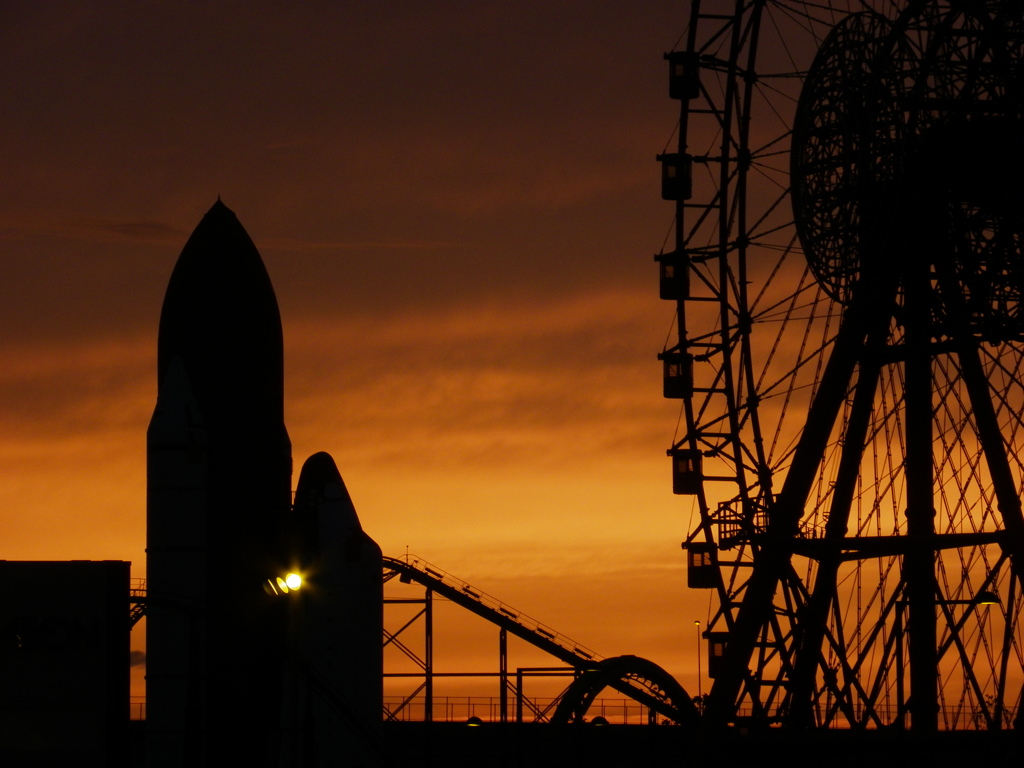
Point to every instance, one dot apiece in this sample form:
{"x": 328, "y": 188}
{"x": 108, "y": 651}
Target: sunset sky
{"x": 458, "y": 205}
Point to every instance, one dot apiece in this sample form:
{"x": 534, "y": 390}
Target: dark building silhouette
{"x": 219, "y": 484}
{"x": 64, "y": 661}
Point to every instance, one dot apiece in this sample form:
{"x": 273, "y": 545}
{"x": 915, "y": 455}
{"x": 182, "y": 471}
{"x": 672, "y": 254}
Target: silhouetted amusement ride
{"x": 847, "y": 272}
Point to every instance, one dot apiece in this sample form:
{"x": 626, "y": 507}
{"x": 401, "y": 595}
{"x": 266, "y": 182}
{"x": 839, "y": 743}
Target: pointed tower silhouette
{"x": 218, "y": 497}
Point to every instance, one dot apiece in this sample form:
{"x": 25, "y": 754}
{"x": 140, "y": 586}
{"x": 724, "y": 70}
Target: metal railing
{"x": 137, "y": 708}
{"x": 459, "y": 709}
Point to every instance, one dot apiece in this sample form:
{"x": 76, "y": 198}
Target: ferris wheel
{"x": 848, "y": 353}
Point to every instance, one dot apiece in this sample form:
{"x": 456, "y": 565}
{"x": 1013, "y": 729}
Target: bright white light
{"x": 293, "y": 580}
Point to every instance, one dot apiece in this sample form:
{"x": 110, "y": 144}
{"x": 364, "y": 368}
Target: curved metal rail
{"x": 651, "y": 691}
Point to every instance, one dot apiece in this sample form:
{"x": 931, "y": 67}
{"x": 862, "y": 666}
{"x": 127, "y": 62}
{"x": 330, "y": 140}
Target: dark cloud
{"x": 140, "y": 231}
{"x": 39, "y": 225}
{"x": 384, "y": 156}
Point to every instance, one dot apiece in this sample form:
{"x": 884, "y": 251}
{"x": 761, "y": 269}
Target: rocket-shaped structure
{"x": 219, "y": 483}
{"x": 338, "y": 655}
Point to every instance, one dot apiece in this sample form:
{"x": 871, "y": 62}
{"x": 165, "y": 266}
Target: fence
{"x": 459, "y": 709}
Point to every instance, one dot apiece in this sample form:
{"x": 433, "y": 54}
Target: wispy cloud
{"x": 51, "y": 224}
{"x": 301, "y": 244}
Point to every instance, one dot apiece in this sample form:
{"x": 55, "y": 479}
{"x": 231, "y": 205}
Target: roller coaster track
{"x": 412, "y": 568}
{"x": 637, "y": 678}
{"x": 136, "y": 601}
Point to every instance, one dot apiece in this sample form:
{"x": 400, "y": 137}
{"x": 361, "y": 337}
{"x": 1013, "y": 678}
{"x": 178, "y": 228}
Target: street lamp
{"x": 700, "y": 693}
{"x": 282, "y": 585}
